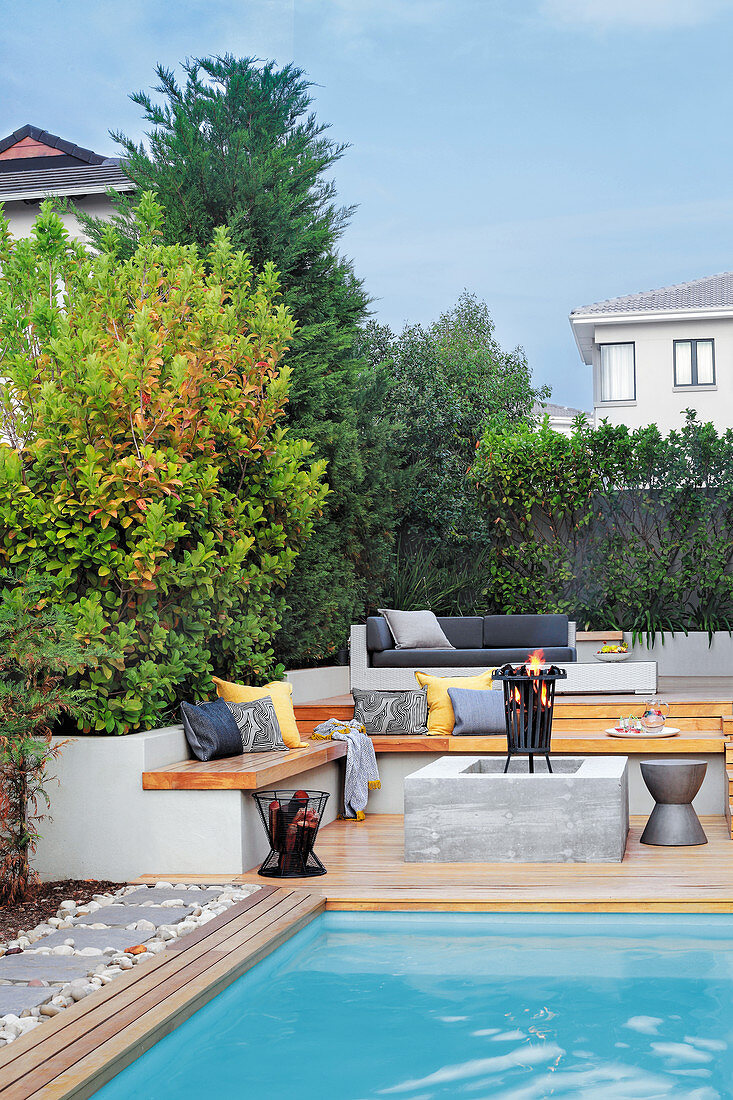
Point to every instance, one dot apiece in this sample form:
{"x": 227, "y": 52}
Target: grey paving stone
{"x": 16, "y": 998}
{"x": 166, "y": 893}
{"x": 121, "y": 915}
{"x": 120, "y": 938}
{"x": 50, "y": 968}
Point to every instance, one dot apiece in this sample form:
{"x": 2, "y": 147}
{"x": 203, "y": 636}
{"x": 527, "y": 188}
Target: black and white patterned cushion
{"x": 258, "y": 725}
{"x": 391, "y": 712}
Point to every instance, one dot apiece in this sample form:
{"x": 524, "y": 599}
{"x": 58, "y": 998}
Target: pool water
{"x": 433, "y": 1006}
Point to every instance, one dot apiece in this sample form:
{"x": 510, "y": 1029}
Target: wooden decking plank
{"x": 107, "y": 1018}
{"x": 366, "y": 869}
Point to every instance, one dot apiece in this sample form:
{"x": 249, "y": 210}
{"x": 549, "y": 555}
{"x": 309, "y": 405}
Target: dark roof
{"x": 94, "y": 179}
{"x": 76, "y": 171}
{"x": 52, "y": 140}
{"x": 714, "y": 292}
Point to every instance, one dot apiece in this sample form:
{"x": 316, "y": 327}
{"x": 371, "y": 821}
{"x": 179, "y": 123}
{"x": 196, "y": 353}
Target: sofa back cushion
{"x": 520, "y": 631}
{"x": 463, "y": 633}
{"x": 378, "y": 635}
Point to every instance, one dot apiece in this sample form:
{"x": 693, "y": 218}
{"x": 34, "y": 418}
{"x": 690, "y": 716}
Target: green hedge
{"x": 147, "y": 472}
{"x": 619, "y": 528}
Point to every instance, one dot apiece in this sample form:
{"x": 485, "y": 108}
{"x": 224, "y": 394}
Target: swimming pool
{"x": 431, "y": 1006}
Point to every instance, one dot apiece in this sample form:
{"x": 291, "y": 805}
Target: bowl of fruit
{"x": 616, "y": 652}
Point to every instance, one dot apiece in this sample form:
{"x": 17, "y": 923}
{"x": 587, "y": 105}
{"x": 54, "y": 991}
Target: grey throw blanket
{"x": 361, "y": 763}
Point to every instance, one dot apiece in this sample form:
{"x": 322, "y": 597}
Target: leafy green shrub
{"x": 620, "y": 528}
{"x": 147, "y": 465}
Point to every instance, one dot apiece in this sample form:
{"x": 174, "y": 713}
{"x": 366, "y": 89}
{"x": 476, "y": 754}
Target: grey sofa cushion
{"x": 477, "y": 713}
{"x": 210, "y": 730}
{"x": 464, "y": 658}
{"x": 415, "y": 629}
{"x": 520, "y": 631}
{"x": 464, "y": 633}
{"x": 378, "y": 634}
{"x": 391, "y": 712}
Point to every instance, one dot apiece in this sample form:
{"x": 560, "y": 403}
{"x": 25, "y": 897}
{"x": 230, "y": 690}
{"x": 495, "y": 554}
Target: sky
{"x": 544, "y": 154}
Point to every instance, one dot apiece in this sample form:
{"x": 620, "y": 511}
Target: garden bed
{"x": 43, "y": 901}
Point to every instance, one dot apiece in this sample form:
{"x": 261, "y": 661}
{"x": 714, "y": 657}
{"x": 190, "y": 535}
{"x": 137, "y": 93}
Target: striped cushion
{"x": 391, "y": 712}
{"x": 258, "y": 725}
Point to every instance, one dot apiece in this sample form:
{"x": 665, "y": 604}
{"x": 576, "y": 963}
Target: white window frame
{"x": 616, "y": 400}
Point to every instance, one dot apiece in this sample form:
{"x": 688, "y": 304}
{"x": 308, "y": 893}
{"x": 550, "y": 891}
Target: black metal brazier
{"x": 529, "y": 698}
{"x": 291, "y": 820}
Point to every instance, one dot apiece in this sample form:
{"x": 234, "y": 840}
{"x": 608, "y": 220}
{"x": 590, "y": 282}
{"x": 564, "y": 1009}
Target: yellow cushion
{"x": 281, "y": 694}
{"x": 440, "y": 709}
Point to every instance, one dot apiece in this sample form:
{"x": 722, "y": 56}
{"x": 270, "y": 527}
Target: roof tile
{"x": 714, "y": 292}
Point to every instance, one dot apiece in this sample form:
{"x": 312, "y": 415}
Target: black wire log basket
{"x": 529, "y": 699}
{"x": 291, "y": 820}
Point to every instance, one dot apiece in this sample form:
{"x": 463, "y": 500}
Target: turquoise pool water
{"x": 431, "y": 1007}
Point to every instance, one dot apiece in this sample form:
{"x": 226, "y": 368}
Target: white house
{"x": 657, "y": 353}
{"x": 561, "y": 416}
{"x": 35, "y": 165}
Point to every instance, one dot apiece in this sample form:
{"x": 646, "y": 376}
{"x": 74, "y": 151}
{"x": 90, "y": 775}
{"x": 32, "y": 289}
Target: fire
{"x": 517, "y": 695}
{"x": 535, "y": 662}
{"x": 543, "y": 694}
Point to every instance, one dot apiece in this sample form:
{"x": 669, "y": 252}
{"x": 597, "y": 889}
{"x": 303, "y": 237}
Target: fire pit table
{"x": 291, "y": 820}
{"x": 465, "y": 809}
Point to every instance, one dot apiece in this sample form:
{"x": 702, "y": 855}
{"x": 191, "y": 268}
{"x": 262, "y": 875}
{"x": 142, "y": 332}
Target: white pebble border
{"x": 102, "y": 973}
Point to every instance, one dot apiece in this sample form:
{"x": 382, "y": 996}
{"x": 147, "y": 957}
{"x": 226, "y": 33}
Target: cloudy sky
{"x": 543, "y": 153}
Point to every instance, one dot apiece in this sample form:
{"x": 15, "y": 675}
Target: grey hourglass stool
{"x": 673, "y": 784}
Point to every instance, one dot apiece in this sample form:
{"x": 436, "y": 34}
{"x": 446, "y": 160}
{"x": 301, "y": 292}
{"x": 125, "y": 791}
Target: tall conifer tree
{"x": 237, "y": 144}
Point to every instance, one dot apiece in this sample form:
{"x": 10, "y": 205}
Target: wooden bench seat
{"x": 250, "y": 771}
{"x": 577, "y": 742}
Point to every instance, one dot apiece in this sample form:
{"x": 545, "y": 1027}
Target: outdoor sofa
{"x": 488, "y": 641}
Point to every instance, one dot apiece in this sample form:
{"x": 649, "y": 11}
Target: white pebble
{"x": 62, "y": 949}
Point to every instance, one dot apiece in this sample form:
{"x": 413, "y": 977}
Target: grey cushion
{"x": 464, "y": 658}
{"x": 464, "y": 633}
{"x": 520, "y": 631}
{"x": 477, "y": 713}
{"x": 258, "y": 727}
{"x": 391, "y": 712}
{"x": 415, "y": 629}
{"x": 430, "y": 658}
{"x": 378, "y": 634}
{"x": 210, "y": 730}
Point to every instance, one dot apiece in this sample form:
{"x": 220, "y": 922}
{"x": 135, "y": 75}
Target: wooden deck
{"x": 366, "y": 870}
{"x": 81, "y": 1049}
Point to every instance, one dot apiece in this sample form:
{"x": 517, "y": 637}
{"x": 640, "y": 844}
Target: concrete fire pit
{"x": 462, "y": 809}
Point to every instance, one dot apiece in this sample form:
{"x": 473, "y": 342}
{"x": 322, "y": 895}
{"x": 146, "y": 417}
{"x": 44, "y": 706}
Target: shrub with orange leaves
{"x": 145, "y": 463}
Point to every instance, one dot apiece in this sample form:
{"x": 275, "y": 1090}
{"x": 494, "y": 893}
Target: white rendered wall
{"x": 21, "y": 216}
{"x": 318, "y": 683}
{"x": 677, "y": 654}
{"x": 657, "y": 400}
{"x": 106, "y": 826}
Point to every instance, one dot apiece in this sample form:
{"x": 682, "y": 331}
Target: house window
{"x": 618, "y": 372}
{"x": 694, "y": 363}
